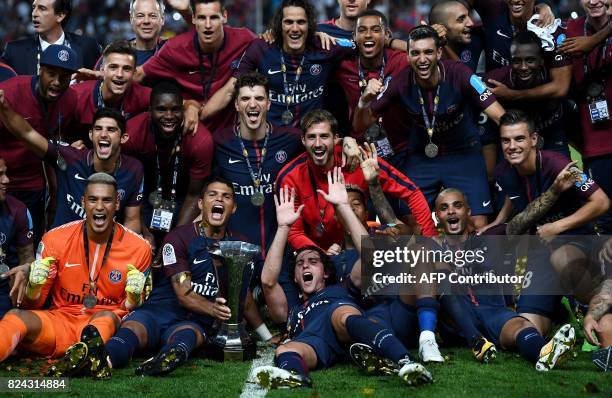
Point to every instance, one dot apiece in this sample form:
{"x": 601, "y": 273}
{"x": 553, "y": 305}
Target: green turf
{"x": 508, "y": 376}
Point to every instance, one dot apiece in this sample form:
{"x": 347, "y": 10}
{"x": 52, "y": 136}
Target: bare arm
{"x": 364, "y": 116}
{"x": 370, "y": 168}
{"x": 21, "y": 129}
{"x": 597, "y": 204}
{"x": 598, "y": 306}
{"x": 536, "y": 209}
{"x": 495, "y": 111}
{"x": 189, "y": 210}
{"x": 557, "y": 88}
{"x": 132, "y": 219}
{"x": 219, "y": 100}
{"x": 286, "y": 215}
{"x": 181, "y": 284}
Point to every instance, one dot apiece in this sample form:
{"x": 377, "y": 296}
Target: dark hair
{"x": 516, "y": 116}
{"x": 446, "y": 191}
{"x": 318, "y": 116}
{"x": 120, "y": 47}
{"x": 112, "y": 114}
{"x": 63, "y": 7}
{"x": 328, "y": 265}
{"x": 250, "y": 79}
{"x": 311, "y": 16}
{"x": 374, "y": 13}
{"x": 528, "y": 37}
{"x": 424, "y": 32}
{"x": 218, "y": 179}
{"x": 165, "y": 87}
{"x": 357, "y": 188}
{"x": 194, "y": 3}
{"x": 438, "y": 13}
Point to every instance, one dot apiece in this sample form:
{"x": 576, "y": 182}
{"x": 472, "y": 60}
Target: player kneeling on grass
{"x": 94, "y": 271}
{"x": 329, "y": 319}
{"x": 481, "y": 314}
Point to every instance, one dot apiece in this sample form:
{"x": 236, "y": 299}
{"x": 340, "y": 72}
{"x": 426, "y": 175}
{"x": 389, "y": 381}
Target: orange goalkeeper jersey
{"x": 68, "y": 280}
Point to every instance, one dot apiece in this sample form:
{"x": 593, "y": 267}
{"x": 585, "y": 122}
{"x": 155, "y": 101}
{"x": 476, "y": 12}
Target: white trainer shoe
{"x": 428, "y": 348}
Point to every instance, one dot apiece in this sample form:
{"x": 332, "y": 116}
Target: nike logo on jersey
{"x": 78, "y": 177}
{"x": 514, "y": 197}
{"x": 502, "y": 34}
{"x": 274, "y": 72}
{"x": 232, "y": 161}
{"x": 196, "y": 261}
{"x": 485, "y": 204}
{"x": 68, "y": 265}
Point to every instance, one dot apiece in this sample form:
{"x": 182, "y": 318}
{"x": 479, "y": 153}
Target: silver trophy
{"x": 229, "y": 340}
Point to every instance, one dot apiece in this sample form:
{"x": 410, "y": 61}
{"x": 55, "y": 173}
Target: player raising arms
{"x": 94, "y": 271}
{"x": 328, "y": 318}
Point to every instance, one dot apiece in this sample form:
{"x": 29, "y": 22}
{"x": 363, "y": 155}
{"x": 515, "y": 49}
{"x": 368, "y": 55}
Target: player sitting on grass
{"x": 484, "y": 316}
{"x": 184, "y": 304}
{"x": 328, "y": 319}
{"x": 93, "y": 270}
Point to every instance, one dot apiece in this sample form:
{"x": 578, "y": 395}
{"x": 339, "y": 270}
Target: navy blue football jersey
{"x": 15, "y": 231}
{"x": 256, "y": 223}
{"x": 71, "y": 182}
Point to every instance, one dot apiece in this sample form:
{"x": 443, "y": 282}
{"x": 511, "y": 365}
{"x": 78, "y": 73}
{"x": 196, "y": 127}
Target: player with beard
{"x": 527, "y": 69}
{"x": 373, "y": 61}
{"x": 49, "y": 104}
{"x": 522, "y": 177}
{"x": 15, "y": 243}
{"x": 89, "y": 294}
{"x": 307, "y": 174}
{"x": 73, "y": 167}
{"x": 181, "y": 309}
{"x": 116, "y": 90}
{"x": 328, "y": 319}
{"x": 201, "y": 61}
{"x": 268, "y": 147}
{"x": 296, "y": 64}
{"x": 481, "y": 313}
{"x": 179, "y": 164}
{"x": 440, "y": 97}
{"x": 464, "y": 39}
{"x": 593, "y": 90}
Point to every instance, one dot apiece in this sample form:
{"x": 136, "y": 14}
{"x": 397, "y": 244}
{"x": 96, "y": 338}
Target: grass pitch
{"x": 460, "y": 376}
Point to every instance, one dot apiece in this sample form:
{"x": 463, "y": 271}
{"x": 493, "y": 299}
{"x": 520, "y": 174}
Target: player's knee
{"x": 108, "y": 314}
{"x": 138, "y": 329}
{"x": 605, "y": 327}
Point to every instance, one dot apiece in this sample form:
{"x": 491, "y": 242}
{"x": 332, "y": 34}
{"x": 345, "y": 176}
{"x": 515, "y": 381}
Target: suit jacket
{"x": 21, "y": 54}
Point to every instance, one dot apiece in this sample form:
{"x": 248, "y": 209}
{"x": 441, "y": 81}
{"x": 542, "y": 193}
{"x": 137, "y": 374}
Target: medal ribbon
{"x": 91, "y": 271}
{"x": 429, "y": 125}
{"x": 362, "y": 76}
{"x": 177, "y": 150}
{"x": 256, "y": 178}
{"x": 298, "y": 73}
{"x": 213, "y": 67}
{"x": 100, "y": 99}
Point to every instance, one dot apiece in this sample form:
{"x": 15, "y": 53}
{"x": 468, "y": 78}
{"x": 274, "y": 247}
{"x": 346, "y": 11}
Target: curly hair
{"x": 311, "y": 16}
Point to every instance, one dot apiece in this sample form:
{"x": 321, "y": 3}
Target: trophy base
{"x": 231, "y": 343}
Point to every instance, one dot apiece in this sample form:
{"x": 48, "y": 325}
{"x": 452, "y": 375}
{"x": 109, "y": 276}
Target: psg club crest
{"x": 315, "y": 69}
{"x": 466, "y": 56}
{"x": 115, "y": 276}
{"x": 63, "y": 55}
{"x": 281, "y": 156}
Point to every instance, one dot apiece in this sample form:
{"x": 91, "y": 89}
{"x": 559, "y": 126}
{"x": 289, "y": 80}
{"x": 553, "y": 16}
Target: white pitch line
{"x": 252, "y": 390}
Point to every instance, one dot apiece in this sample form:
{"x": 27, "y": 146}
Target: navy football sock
{"x": 121, "y": 347}
{"x": 364, "y": 330}
{"x": 453, "y": 305}
{"x": 529, "y": 343}
{"x": 291, "y": 361}
{"x": 184, "y": 338}
{"x": 427, "y": 312}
